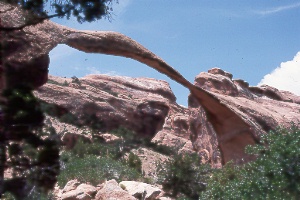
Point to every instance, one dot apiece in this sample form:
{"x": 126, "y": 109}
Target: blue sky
{"x": 257, "y": 41}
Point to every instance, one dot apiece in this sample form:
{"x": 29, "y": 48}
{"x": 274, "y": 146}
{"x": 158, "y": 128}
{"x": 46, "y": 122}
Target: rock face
{"x": 146, "y": 106}
{"x": 238, "y": 114}
{"x": 140, "y": 105}
{"x": 261, "y": 108}
{"x": 150, "y": 160}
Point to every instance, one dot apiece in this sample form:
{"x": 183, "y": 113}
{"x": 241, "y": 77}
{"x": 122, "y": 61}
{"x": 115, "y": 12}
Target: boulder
{"x": 76, "y": 191}
{"x": 109, "y": 138}
{"x": 140, "y": 190}
{"x": 71, "y": 185}
{"x": 112, "y": 191}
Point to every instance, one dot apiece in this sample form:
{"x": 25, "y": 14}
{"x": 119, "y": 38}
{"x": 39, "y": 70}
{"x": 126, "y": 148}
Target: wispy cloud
{"x": 60, "y": 52}
{"x": 286, "y": 76}
{"x": 277, "y": 9}
{"x": 121, "y": 7}
{"x": 112, "y": 73}
{"x": 92, "y": 70}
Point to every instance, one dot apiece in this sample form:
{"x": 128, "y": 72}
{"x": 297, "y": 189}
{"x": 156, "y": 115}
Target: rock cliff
{"x": 238, "y": 114}
{"x": 144, "y": 105}
{"x": 260, "y": 108}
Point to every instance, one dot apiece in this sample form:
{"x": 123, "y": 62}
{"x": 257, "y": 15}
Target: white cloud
{"x": 60, "y": 52}
{"x": 277, "y": 9}
{"x": 286, "y": 76}
{"x": 121, "y": 7}
{"x": 93, "y": 70}
{"x": 112, "y": 73}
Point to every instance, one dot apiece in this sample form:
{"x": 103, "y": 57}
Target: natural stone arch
{"x": 28, "y": 49}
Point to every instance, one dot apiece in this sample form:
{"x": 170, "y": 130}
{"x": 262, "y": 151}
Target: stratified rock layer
{"x": 262, "y": 108}
{"x": 143, "y": 105}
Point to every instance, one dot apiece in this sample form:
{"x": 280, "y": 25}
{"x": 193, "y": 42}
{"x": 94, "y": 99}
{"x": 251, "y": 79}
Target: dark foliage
{"x": 95, "y": 162}
{"x": 184, "y": 176}
{"x": 275, "y": 174}
{"x": 82, "y": 10}
{"x": 32, "y": 151}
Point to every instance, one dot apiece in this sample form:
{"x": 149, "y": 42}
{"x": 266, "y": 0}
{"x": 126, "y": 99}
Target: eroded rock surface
{"x": 261, "y": 108}
{"x": 144, "y": 105}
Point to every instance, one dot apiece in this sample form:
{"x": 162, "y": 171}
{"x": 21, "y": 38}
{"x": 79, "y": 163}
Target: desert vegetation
{"x": 275, "y": 174}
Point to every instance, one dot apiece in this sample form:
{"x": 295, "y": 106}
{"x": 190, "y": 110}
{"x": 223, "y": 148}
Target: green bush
{"x": 95, "y": 162}
{"x": 129, "y": 139}
{"x": 76, "y": 80}
{"x": 83, "y": 148}
{"x": 135, "y": 162}
{"x": 162, "y": 149}
{"x": 57, "y": 83}
{"x": 275, "y": 174}
{"x": 183, "y": 176}
{"x": 93, "y": 169}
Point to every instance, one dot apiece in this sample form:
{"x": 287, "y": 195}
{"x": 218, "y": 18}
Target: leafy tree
{"x": 82, "y": 10}
{"x": 184, "y": 176}
{"x": 33, "y": 154}
{"x": 275, "y": 174}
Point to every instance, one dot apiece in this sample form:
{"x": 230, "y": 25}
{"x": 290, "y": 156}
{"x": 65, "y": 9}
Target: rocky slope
{"x": 144, "y": 105}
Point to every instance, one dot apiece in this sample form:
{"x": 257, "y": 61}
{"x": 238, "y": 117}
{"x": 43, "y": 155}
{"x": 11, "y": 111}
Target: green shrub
{"x": 93, "y": 169}
{"x": 95, "y": 162}
{"x": 129, "y": 139}
{"x": 183, "y": 174}
{"x": 65, "y": 83}
{"x": 135, "y": 162}
{"x": 162, "y": 149}
{"x": 275, "y": 174}
{"x": 57, "y": 83}
{"x": 76, "y": 80}
{"x": 83, "y": 148}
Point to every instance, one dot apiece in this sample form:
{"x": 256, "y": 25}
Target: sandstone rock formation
{"x": 261, "y": 108}
{"x": 238, "y": 121}
{"x": 143, "y": 105}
